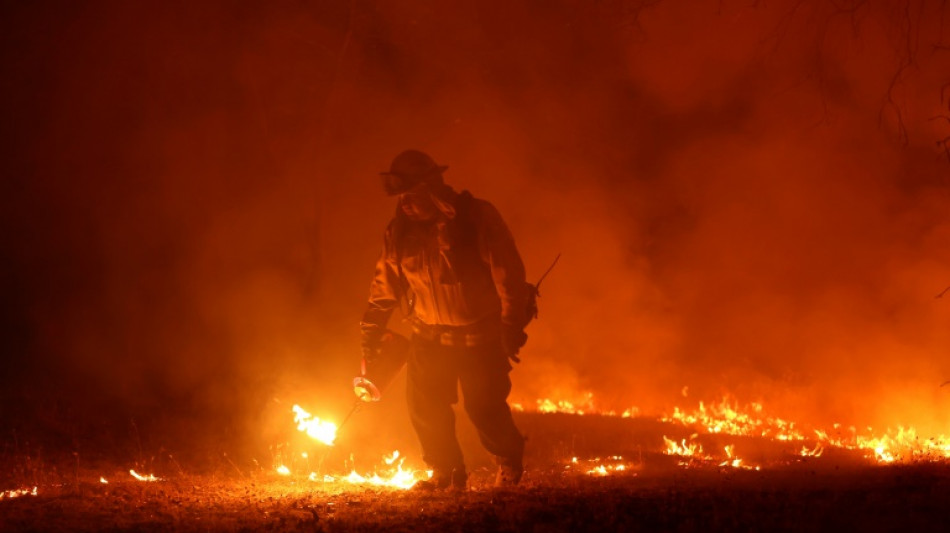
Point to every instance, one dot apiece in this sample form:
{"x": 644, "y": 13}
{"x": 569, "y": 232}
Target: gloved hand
{"x": 370, "y": 342}
{"x": 512, "y": 339}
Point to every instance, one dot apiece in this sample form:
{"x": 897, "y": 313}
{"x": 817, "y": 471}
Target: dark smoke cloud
{"x": 748, "y": 198}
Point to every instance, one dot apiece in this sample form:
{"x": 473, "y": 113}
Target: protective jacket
{"x": 461, "y": 270}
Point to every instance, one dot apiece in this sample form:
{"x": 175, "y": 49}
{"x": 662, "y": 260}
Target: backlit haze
{"x": 750, "y": 198}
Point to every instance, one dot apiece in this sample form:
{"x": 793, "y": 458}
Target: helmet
{"x": 408, "y": 169}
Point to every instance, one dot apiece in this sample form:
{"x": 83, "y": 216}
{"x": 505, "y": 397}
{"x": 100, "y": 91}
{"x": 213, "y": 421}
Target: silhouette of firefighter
{"x": 450, "y": 260}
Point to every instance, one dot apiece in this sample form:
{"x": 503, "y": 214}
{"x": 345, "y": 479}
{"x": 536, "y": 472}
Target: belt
{"x": 469, "y": 335}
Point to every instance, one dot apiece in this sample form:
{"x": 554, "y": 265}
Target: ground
{"x": 654, "y": 491}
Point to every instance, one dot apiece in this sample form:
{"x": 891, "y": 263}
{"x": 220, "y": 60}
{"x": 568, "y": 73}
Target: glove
{"x": 512, "y": 339}
{"x": 370, "y": 342}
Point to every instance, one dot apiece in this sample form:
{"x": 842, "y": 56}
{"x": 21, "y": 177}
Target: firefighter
{"x": 450, "y": 259}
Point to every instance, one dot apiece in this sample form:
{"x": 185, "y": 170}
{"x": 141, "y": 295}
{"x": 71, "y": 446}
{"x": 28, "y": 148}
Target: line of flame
{"x": 146, "y": 477}
{"x": 727, "y": 418}
{"x": 16, "y": 493}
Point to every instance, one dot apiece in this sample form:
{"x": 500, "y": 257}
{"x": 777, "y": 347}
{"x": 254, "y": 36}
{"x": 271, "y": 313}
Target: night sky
{"x": 749, "y": 197}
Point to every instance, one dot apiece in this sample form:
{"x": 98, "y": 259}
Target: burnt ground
{"x": 840, "y": 491}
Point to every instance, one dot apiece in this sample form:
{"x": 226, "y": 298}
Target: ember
{"x": 602, "y": 467}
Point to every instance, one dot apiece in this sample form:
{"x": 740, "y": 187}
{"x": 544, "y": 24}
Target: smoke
{"x": 748, "y": 199}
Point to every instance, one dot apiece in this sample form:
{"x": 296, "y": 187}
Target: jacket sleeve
{"x": 384, "y": 291}
{"x": 498, "y": 250}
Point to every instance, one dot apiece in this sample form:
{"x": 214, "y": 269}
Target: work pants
{"x": 434, "y": 375}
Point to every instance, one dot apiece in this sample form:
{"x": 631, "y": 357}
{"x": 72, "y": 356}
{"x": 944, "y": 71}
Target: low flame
{"x": 601, "y": 467}
{"x": 693, "y": 449}
{"x": 814, "y": 452}
{"x": 901, "y": 446}
{"x": 727, "y": 418}
{"x": 140, "y": 477}
{"x": 16, "y": 493}
{"x": 579, "y": 407}
{"x": 398, "y": 478}
{"x": 317, "y": 429}
{"x": 391, "y": 476}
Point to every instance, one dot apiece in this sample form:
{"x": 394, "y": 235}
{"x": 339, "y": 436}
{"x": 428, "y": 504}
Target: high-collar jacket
{"x": 461, "y": 269}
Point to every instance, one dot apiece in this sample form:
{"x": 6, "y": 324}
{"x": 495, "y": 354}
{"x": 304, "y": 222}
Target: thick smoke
{"x": 749, "y": 198}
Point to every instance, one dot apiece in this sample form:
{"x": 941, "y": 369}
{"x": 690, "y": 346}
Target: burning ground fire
{"x": 904, "y": 445}
{"x": 16, "y": 493}
{"x": 704, "y": 446}
{"x": 392, "y": 475}
{"x": 727, "y": 418}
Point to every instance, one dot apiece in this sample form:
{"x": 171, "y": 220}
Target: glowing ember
{"x": 317, "y": 429}
{"x": 600, "y": 467}
{"x": 147, "y": 477}
{"x": 283, "y": 470}
{"x": 103, "y": 481}
{"x": 16, "y": 493}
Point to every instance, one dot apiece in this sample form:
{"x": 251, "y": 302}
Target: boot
{"x": 455, "y": 479}
{"x": 509, "y": 473}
